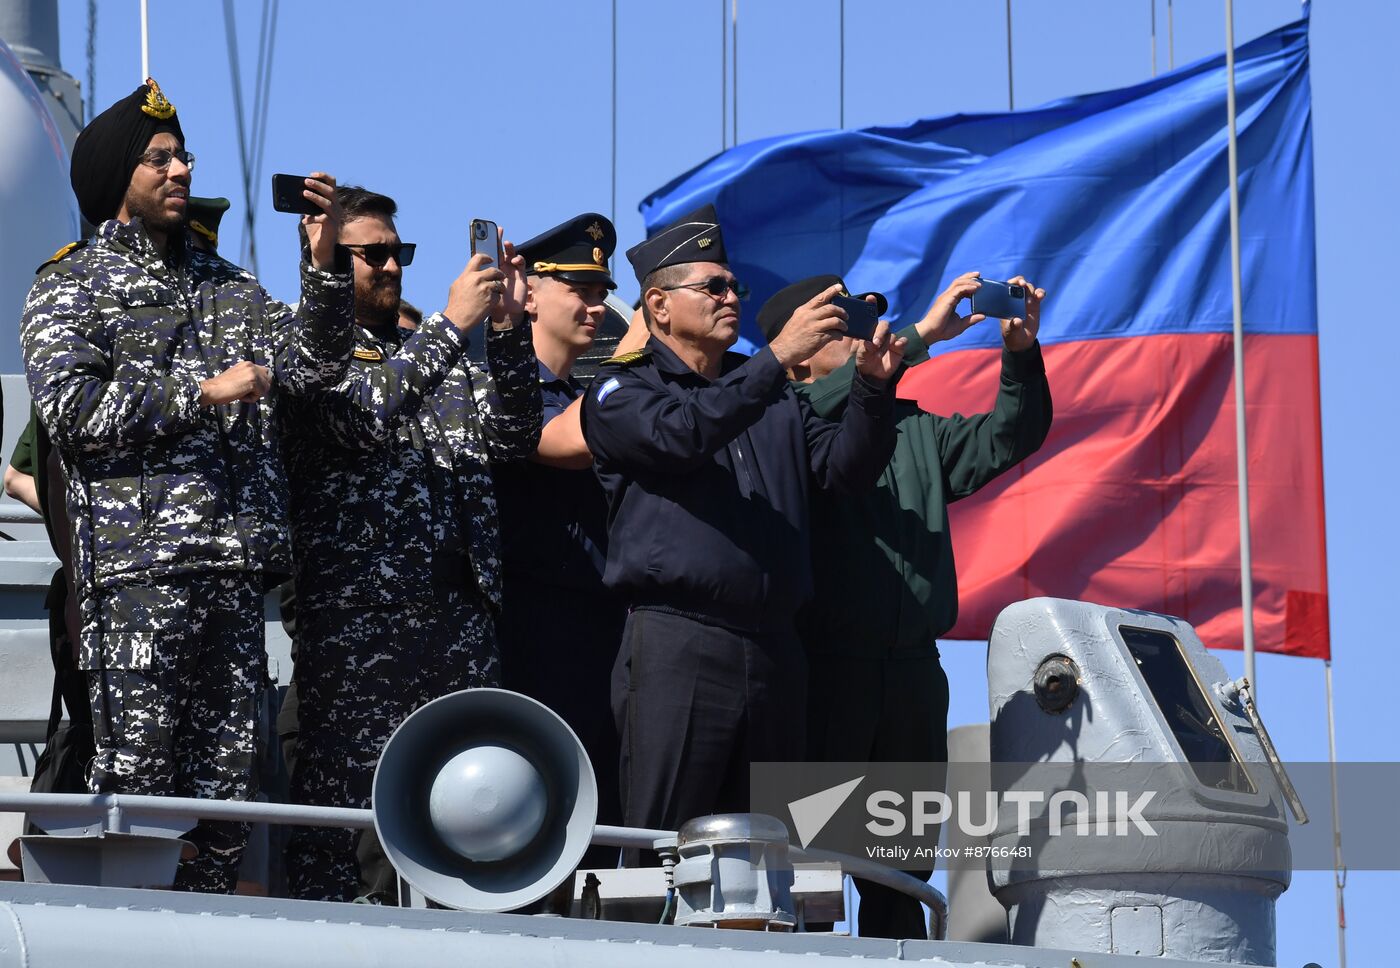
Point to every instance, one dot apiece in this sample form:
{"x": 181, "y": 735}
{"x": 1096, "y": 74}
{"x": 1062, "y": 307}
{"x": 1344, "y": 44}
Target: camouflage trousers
{"x": 359, "y": 673}
{"x": 174, "y": 668}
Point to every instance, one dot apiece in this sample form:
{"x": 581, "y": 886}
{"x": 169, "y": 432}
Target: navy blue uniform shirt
{"x": 553, "y": 521}
{"x": 707, "y": 481}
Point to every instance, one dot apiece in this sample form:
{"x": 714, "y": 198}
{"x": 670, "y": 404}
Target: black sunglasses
{"x": 715, "y": 286}
{"x": 378, "y": 253}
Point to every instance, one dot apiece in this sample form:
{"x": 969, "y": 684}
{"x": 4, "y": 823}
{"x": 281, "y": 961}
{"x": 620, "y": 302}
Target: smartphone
{"x": 1000, "y": 300}
{"x": 487, "y": 238}
{"x": 861, "y": 316}
{"x": 287, "y": 196}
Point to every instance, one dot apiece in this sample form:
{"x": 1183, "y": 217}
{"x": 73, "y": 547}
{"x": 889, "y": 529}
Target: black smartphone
{"x": 1000, "y": 300}
{"x": 287, "y": 196}
{"x": 486, "y": 238}
{"x": 861, "y": 316}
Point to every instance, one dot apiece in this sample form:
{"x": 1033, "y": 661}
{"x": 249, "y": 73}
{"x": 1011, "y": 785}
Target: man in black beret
{"x": 708, "y": 460}
{"x": 877, "y": 692}
{"x": 560, "y": 626}
{"x": 158, "y": 370}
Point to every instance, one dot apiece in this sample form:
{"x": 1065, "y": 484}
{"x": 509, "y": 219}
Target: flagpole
{"x": 1339, "y": 867}
{"x": 1237, "y": 292}
{"x": 145, "y": 44}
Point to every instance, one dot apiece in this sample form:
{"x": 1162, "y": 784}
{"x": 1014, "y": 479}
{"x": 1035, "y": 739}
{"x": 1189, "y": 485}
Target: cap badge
{"x": 595, "y": 232}
{"x": 157, "y": 105}
{"x": 599, "y": 258}
{"x": 703, "y": 243}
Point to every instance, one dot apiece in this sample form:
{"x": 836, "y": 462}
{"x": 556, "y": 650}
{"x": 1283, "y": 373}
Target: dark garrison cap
{"x": 577, "y": 250}
{"x": 203, "y": 215}
{"x": 110, "y": 147}
{"x": 691, "y": 238}
{"x": 783, "y": 303}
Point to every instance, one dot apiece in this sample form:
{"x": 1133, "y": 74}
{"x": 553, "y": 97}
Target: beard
{"x": 377, "y": 301}
{"x": 151, "y": 212}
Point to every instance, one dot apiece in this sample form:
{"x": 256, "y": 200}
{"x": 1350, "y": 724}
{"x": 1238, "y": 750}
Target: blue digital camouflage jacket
{"x": 392, "y": 493}
{"x": 116, "y": 343}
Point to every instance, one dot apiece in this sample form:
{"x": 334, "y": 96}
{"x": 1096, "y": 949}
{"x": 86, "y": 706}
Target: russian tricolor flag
{"x": 1117, "y": 204}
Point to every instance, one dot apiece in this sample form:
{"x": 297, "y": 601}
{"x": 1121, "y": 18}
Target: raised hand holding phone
{"x": 313, "y": 198}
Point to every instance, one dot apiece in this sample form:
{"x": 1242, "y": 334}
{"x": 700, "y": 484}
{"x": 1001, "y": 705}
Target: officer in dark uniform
{"x": 707, "y": 459}
{"x": 559, "y": 625}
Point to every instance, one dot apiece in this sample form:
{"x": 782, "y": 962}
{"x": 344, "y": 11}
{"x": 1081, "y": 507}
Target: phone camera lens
{"x": 481, "y": 231}
{"x": 1017, "y": 292}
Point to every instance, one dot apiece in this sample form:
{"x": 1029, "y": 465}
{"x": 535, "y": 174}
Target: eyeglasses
{"x": 378, "y": 253}
{"x": 160, "y": 158}
{"x": 715, "y": 286}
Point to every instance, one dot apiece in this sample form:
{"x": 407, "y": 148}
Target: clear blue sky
{"x": 504, "y": 111}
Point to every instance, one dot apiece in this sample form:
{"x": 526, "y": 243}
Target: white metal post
{"x": 1237, "y": 291}
{"x": 145, "y": 43}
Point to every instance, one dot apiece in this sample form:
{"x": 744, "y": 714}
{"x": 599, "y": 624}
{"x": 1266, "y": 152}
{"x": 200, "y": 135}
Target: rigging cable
{"x": 231, "y": 36}
{"x": 723, "y": 79}
{"x": 1171, "y": 39}
{"x": 841, "y": 71}
{"x": 1010, "y": 82}
{"x": 1153, "y": 5}
{"x": 734, "y": 66}
{"x": 91, "y": 59}
{"x": 612, "y": 212}
{"x": 262, "y": 96}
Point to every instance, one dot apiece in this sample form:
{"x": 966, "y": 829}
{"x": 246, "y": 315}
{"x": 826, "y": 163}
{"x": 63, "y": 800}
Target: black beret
{"x": 202, "y": 215}
{"x": 692, "y": 238}
{"x": 577, "y": 250}
{"x": 783, "y": 303}
{"x": 110, "y": 147}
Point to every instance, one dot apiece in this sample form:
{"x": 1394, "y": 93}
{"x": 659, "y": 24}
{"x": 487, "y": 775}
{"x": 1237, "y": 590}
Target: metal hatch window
{"x": 1189, "y": 712}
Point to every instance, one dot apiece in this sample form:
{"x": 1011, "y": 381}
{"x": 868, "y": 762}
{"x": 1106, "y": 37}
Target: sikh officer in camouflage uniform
{"x": 160, "y": 373}
{"x": 398, "y": 554}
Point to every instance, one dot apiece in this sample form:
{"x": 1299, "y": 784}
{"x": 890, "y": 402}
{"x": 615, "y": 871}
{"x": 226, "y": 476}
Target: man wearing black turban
{"x": 110, "y": 147}
{"x": 157, "y": 370}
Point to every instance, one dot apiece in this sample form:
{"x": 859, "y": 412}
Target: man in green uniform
{"x": 876, "y": 691}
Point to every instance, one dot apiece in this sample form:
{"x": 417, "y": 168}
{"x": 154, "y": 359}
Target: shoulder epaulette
{"x": 62, "y": 253}
{"x": 627, "y": 359}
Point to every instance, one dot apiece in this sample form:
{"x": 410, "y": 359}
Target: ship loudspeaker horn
{"x": 484, "y": 800}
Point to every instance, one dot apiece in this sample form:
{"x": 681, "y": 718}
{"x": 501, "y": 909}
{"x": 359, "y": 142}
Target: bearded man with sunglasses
{"x": 708, "y": 459}
{"x": 160, "y": 372}
{"x": 394, "y": 523}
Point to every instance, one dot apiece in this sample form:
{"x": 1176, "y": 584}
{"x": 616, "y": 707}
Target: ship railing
{"x": 92, "y": 813}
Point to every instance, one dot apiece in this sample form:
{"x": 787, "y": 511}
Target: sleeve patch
{"x": 366, "y": 353}
{"x": 602, "y": 392}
